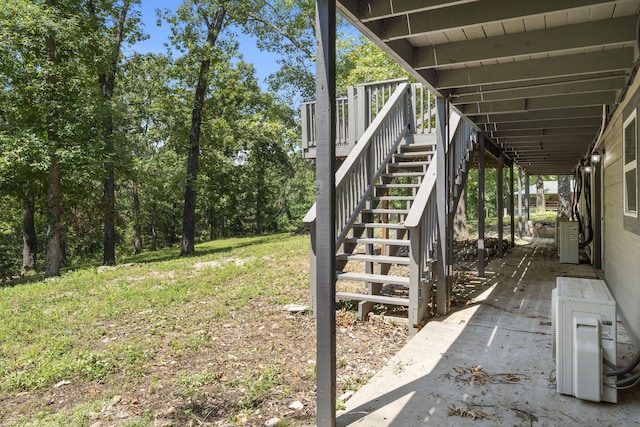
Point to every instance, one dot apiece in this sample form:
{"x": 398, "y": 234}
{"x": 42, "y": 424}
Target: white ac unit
{"x": 584, "y": 328}
{"x": 569, "y": 242}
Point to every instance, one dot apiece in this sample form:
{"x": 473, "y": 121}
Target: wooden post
{"x": 520, "y": 225}
{"x": 596, "y": 184}
{"x": 527, "y": 196}
{"x": 500, "y": 204}
{"x": 326, "y": 212}
{"x": 512, "y": 207}
{"x": 442, "y": 297}
{"x": 481, "y": 167}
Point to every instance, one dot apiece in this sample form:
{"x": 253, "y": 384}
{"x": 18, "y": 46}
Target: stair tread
{"x": 418, "y": 146}
{"x": 377, "y": 241}
{"x": 402, "y": 174}
{"x": 387, "y": 211}
{"x": 411, "y": 185}
{"x": 380, "y": 299}
{"x": 389, "y": 225}
{"x": 382, "y": 259}
{"x": 413, "y": 155}
{"x": 400, "y": 198}
{"x": 410, "y": 164}
{"x": 374, "y": 278}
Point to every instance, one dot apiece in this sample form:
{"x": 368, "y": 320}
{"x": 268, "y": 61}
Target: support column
{"x": 527, "y": 196}
{"x": 481, "y": 167}
{"x": 512, "y": 207}
{"x": 500, "y": 204}
{"x": 596, "y": 185}
{"x": 520, "y": 225}
{"x": 443, "y": 273}
{"x": 326, "y": 212}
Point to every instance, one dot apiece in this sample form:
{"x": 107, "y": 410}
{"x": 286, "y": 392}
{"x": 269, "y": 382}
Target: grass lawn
{"x": 160, "y": 340}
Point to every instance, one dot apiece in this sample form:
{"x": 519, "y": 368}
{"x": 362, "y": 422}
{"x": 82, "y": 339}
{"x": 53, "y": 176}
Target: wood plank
{"x": 378, "y": 299}
{"x": 381, "y": 259}
{"x": 375, "y": 241}
{"x": 326, "y": 213}
{"x": 374, "y": 278}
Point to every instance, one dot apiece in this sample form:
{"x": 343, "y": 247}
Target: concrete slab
{"x": 490, "y": 364}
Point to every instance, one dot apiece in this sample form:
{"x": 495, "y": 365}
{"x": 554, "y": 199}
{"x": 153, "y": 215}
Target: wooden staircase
{"x": 380, "y": 240}
{"x": 393, "y": 223}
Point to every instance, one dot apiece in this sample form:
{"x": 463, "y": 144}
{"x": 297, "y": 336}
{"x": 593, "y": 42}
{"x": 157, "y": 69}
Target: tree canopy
{"x": 98, "y": 141}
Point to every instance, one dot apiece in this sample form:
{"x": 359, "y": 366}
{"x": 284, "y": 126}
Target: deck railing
{"x": 356, "y": 176}
{"x": 354, "y": 114}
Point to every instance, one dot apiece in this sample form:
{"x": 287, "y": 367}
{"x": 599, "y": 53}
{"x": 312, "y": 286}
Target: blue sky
{"x": 265, "y": 63}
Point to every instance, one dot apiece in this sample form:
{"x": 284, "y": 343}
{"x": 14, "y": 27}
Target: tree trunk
{"x": 54, "y": 212}
{"x": 107, "y": 80}
{"x": 212, "y": 222}
{"x": 187, "y": 247}
{"x": 109, "y": 254}
{"x": 29, "y": 239}
{"x": 460, "y": 229}
{"x": 154, "y": 227}
{"x": 540, "y": 202}
{"x": 137, "y": 228}
{"x": 564, "y": 195}
{"x": 54, "y": 230}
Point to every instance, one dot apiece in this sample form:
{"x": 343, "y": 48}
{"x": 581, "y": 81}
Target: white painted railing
{"x": 356, "y": 177}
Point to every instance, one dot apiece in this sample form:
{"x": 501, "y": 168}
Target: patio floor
{"x": 491, "y": 364}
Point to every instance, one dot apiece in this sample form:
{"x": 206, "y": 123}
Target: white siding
{"x": 621, "y": 262}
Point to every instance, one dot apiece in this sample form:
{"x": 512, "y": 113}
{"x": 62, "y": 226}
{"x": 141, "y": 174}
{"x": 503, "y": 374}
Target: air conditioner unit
{"x": 584, "y": 329}
{"x": 569, "y": 242}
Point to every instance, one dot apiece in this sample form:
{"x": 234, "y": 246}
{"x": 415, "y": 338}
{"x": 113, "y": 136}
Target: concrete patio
{"x": 491, "y": 364}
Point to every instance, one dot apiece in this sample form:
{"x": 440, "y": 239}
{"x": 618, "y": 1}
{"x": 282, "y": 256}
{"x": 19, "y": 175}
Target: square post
{"x": 481, "y": 168}
{"x": 442, "y": 193}
{"x": 597, "y": 214}
{"x": 512, "y": 206}
{"x": 520, "y": 225}
{"x": 500, "y": 204}
{"x": 527, "y": 196}
{"x": 326, "y": 212}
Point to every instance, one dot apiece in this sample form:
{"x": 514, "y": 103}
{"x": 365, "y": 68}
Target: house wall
{"x": 621, "y": 255}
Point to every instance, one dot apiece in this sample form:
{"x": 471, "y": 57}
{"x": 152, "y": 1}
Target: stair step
{"x": 414, "y": 155}
{"x": 386, "y": 211}
{"x": 381, "y": 259}
{"x": 376, "y": 241}
{"x": 373, "y": 278}
{"x": 417, "y": 163}
{"x": 418, "y": 147}
{"x": 402, "y": 174}
{"x": 394, "y": 198}
{"x": 387, "y": 225}
{"x": 378, "y": 299}
{"x": 394, "y": 185}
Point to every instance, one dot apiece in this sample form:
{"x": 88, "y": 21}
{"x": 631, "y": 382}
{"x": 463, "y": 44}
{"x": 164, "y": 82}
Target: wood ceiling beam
{"x": 474, "y": 13}
{"x": 540, "y": 90}
{"x": 545, "y": 124}
{"x": 580, "y": 64}
{"x": 610, "y": 32}
{"x": 586, "y": 130}
{"x": 566, "y": 113}
{"x": 533, "y": 104}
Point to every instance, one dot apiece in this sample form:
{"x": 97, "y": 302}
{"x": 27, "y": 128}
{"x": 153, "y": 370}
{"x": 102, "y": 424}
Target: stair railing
{"x": 354, "y": 113}
{"x": 422, "y": 223}
{"x": 356, "y": 177}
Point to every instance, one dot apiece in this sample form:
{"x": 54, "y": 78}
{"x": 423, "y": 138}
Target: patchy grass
{"x": 162, "y": 340}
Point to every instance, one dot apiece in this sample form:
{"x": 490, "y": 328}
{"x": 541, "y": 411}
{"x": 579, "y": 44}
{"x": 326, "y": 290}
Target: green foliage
{"x": 360, "y": 61}
{"x": 252, "y": 179}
